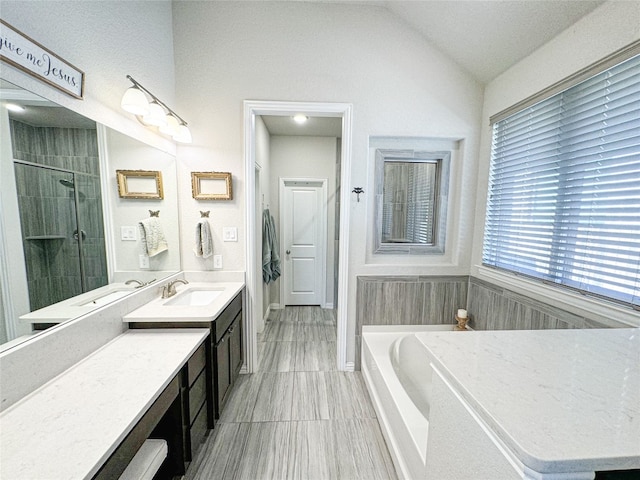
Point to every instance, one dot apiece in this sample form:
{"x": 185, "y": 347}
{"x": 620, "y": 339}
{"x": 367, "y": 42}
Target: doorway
{"x": 303, "y": 217}
{"x": 252, "y": 110}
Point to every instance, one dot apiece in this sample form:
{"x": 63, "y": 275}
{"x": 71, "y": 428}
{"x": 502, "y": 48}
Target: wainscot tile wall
{"x": 495, "y": 308}
{"x": 407, "y": 300}
{"x": 421, "y": 300}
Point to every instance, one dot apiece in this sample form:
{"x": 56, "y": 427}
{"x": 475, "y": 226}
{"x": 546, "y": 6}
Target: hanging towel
{"x": 152, "y": 239}
{"x": 266, "y": 247}
{"x": 204, "y": 243}
{"x": 270, "y": 249}
{"x": 275, "y": 250}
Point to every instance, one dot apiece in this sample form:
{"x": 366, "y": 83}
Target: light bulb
{"x": 171, "y": 127}
{"x": 135, "y": 101}
{"x": 156, "y": 115}
{"x": 183, "y": 135}
{"x": 300, "y": 119}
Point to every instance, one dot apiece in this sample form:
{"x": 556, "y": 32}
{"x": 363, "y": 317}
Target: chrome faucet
{"x": 140, "y": 284}
{"x": 169, "y": 290}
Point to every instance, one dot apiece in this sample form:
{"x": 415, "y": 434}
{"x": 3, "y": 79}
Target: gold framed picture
{"x": 140, "y": 184}
{"x": 211, "y": 186}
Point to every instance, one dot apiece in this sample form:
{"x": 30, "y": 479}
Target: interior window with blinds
{"x": 411, "y": 194}
{"x": 564, "y": 188}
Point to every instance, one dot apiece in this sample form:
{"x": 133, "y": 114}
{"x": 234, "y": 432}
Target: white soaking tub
{"x": 398, "y": 376}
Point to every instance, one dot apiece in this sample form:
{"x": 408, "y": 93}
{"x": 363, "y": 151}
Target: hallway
{"x": 297, "y": 418}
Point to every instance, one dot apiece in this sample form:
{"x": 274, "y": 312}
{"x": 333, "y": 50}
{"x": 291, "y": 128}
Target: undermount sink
{"x": 107, "y": 298}
{"x": 194, "y": 297}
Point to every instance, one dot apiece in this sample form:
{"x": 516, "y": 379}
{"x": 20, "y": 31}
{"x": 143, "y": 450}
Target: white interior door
{"x": 303, "y": 219}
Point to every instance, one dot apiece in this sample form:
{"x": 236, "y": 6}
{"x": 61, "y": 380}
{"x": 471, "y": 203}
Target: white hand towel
{"x": 204, "y": 242}
{"x": 151, "y": 237}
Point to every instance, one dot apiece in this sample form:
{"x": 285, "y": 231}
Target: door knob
{"x": 288, "y": 252}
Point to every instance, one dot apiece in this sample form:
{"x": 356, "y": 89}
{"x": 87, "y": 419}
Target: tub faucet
{"x": 169, "y": 290}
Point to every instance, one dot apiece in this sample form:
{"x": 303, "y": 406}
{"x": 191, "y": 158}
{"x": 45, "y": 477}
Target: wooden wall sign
{"x": 26, "y": 54}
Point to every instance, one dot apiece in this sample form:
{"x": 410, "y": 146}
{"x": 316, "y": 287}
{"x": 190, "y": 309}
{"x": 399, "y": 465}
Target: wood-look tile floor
{"x": 297, "y": 418}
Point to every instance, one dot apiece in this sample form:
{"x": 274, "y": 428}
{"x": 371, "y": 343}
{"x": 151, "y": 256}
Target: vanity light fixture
{"x": 154, "y": 113}
{"x": 300, "y": 119}
{"x": 14, "y": 108}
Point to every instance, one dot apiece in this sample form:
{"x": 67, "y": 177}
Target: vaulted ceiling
{"x": 486, "y": 37}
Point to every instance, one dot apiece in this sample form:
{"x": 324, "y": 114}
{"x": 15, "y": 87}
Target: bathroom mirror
{"x": 68, "y": 242}
{"x": 411, "y": 194}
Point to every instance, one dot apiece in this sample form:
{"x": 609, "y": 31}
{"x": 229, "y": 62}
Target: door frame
{"x": 320, "y": 183}
{"x": 252, "y": 109}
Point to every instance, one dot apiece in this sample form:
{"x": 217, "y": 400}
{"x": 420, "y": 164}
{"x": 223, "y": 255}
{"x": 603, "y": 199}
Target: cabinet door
{"x": 235, "y": 347}
{"x": 223, "y": 377}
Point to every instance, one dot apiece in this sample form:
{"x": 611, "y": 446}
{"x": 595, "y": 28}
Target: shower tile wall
{"x": 410, "y": 300}
{"x": 47, "y": 209}
{"x": 495, "y": 308}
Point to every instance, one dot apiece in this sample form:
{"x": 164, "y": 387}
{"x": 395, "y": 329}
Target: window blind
{"x": 564, "y": 188}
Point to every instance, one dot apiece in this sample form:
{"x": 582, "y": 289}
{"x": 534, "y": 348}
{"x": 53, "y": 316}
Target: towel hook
{"x": 204, "y": 214}
{"x": 154, "y": 213}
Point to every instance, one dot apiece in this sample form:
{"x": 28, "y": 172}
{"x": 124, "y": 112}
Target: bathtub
{"x": 397, "y": 373}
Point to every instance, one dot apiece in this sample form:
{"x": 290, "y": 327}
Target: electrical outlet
{"x": 217, "y": 261}
{"x": 143, "y": 261}
{"x": 230, "y": 234}
{"x": 128, "y": 234}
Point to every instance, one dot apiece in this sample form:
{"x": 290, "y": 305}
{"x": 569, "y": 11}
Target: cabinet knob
{"x": 288, "y": 252}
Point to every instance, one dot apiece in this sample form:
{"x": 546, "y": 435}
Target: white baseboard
{"x": 328, "y": 306}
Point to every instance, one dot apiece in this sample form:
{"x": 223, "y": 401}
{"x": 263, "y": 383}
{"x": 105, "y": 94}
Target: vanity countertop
{"x": 561, "y": 400}
{"x": 164, "y": 309}
{"x": 71, "y": 425}
{"x": 79, "y": 305}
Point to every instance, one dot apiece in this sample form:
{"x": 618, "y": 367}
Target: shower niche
{"x": 59, "y": 200}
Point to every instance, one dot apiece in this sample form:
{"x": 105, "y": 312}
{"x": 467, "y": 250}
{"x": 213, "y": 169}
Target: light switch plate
{"x": 143, "y": 261}
{"x": 128, "y": 234}
{"x": 217, "y": 261}
{"x": 230, "y": 234}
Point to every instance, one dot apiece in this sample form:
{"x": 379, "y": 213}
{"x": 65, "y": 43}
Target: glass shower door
{"x": 62, "y": 231}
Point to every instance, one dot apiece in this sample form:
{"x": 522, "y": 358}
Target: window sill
{"x": 602, "y": 311}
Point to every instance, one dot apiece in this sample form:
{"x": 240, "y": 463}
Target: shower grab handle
{"x": 83, "y": 234}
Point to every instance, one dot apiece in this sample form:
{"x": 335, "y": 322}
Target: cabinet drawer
{"x": 197, "y": 396}
{"x": 196, "y": 363}
{"x": 198, "y": 431}
{"x": 226, "y": 317}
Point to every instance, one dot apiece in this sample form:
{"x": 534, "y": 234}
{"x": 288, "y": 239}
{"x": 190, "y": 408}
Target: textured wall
{"x": 398, "y": 84}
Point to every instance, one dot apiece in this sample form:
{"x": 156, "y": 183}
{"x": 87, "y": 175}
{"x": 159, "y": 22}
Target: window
{"x": 412, "y": 185}
{"x": 564, "y": 188}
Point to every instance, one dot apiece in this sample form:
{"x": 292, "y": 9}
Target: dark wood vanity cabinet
{"x": 224, "y": 357}
{"x": 195, "y": 405}
{"x": 179, "y": 416}
{"x": 227, "y": 351}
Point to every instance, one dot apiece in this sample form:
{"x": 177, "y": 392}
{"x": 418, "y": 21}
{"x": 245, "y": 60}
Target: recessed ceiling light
{"x": 14, "y": 108}
{"x": 299, "y": 118}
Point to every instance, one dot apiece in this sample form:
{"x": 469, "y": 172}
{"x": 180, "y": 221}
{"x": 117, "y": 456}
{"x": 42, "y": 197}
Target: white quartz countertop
{"x": 561, "y": 400}
{"x": 162, "y": 309}
{"x": 70, "y": 426}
